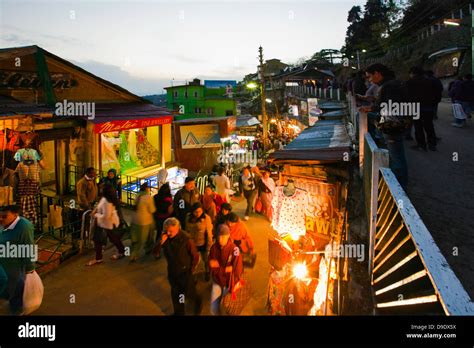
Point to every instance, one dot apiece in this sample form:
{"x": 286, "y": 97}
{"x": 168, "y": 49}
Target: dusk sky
{"x": 143, "y": 45}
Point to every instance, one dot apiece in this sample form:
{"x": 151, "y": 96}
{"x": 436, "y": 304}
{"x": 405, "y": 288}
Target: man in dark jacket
{"x": 184, "y": 199}
{"x": 391, "y": 90}
{"x": 182, "y": 257}
{"x": 423, "y": 91}
{"x": 438, "y": 86}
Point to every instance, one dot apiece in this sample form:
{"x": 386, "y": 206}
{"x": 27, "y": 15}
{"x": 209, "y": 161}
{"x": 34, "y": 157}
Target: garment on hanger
{"x": 27, "y": 156}
{"x": 13, "y": 139}
{"x": 28, "y": 189}
{"x": 125, "y": 156}
{"x": 132, "y": 145}
{"x": 290, "y": 211}
{"x": 30, "y": 139}
{"x": 109, "y": 157}
{"x": 146, "y": 153}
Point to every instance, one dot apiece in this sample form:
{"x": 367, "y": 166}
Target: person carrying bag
{"x": 32, "y": 293}
{"x": 108, "y": 220}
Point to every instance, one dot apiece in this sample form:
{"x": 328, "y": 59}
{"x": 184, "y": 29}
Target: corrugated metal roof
{"x": 326, "y": 141}
{"x": 127, "y": 111}
{"x": 12, "y": 107}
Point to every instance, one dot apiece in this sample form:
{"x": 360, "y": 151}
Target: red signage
{"x": 118, "y": 125}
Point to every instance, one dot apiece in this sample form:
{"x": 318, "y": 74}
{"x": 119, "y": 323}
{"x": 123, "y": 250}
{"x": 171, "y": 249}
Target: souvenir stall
{"x": 309, "y": 219}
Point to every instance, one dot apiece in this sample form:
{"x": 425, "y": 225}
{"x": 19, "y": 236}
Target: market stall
{"x": 309, "y": 219}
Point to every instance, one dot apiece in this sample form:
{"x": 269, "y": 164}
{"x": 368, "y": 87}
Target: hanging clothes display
{"x": 28, "y": 189}
{"x": 30, "y": 139}
{"x": 126, "y": 157}
{"x": 289, "y": 211}
{"x": 132, "y": 145}
{"x": 27, "y": 156}
{"x": 109, "y": 157}
{"x": 147, "y": 154}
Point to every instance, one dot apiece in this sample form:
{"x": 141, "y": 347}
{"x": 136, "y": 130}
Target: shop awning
{"x": 326, "y": 141}
{"x": 115, "y": 117}
{"x": 247, "y": 121}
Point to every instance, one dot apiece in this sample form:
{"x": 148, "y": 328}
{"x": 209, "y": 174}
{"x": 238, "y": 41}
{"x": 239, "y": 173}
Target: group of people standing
{"x": 377, "y": 87}
{"x": 186, "y": 228}
{"x": 258, "y": 189}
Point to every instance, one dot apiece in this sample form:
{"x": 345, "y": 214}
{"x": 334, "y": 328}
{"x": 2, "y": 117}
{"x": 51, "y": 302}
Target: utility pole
{"x": 262, "y": 93}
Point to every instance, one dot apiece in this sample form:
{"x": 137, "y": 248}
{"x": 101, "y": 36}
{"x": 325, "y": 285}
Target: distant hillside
{"x": 156, "y": 99}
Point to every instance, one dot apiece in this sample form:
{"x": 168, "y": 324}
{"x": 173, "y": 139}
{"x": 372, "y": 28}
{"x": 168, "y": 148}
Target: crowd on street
{"x": 187, "y": 229}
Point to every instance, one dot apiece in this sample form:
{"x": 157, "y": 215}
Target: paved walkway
{"x": 442, "y": 191}
{"x": 141, "y": 288}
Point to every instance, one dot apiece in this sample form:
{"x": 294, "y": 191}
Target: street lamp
{"x": 252, "y": 85}
{"x": 358, "y": 60}
{"x": 269, "y": 101}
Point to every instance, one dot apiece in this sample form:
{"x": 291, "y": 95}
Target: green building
{"x": 195, "y": 100}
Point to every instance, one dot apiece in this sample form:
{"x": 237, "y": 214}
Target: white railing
{"x": 335, "y": 94}
{"x": 408, "y": 272}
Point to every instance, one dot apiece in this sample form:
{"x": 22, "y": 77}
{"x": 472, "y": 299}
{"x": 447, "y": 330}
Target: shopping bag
{"x": 249, "y": 260}
{"x": 33, "y": 293}
{"x": 234, "y": 301}
{"x": 55, "y": 217}
{"x": 458, "y": 112}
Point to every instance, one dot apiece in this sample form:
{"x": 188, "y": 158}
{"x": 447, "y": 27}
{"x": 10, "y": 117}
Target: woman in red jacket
{"x": 225, "y": 261}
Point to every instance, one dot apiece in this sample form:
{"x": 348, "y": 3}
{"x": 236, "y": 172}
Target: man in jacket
{"x": 17, "y": 232}
{"x": 421, "y": 90}
{"x": 182, "y": 257}
{"x": 184, "y": 200}
{"x": 249, "y": 188}
{"x": 390, "y": 90}
{"x": 225, "y": 261}
{"x": 87, "y": 190}
{"x": 438, "y": 87}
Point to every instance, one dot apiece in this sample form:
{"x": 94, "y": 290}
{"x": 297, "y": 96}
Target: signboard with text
{"x": 118, "y": 125}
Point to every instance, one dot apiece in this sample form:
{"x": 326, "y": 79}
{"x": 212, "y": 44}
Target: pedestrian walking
{"x": 184, "y": 199}
{"x": 164, "y": 209}
{"x": 240, "y": 234}
{"x": 17, "y": 232}
{"x": 107, "y": 216}
{"x": 222, "y": 216}
{"x": 266, "y": 187}
{"x": 223, "y": 257}
{"x": 249, "y": 189}
{"x": 222, "y": 184}
{"x": 199, "y": 227}
{"x": 113, "y": 180}
{"x": 182, "y": 257}
{"x": 423, "y": 91}
{"x": 211, "y": 203}
{"x": 143, "y": 227}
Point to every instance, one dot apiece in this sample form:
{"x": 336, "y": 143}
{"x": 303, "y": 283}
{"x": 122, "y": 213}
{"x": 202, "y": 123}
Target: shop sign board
{"x": 31, "y": 80}
{"x": 200, "y": 136}
{"x": 118, "y": 125}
